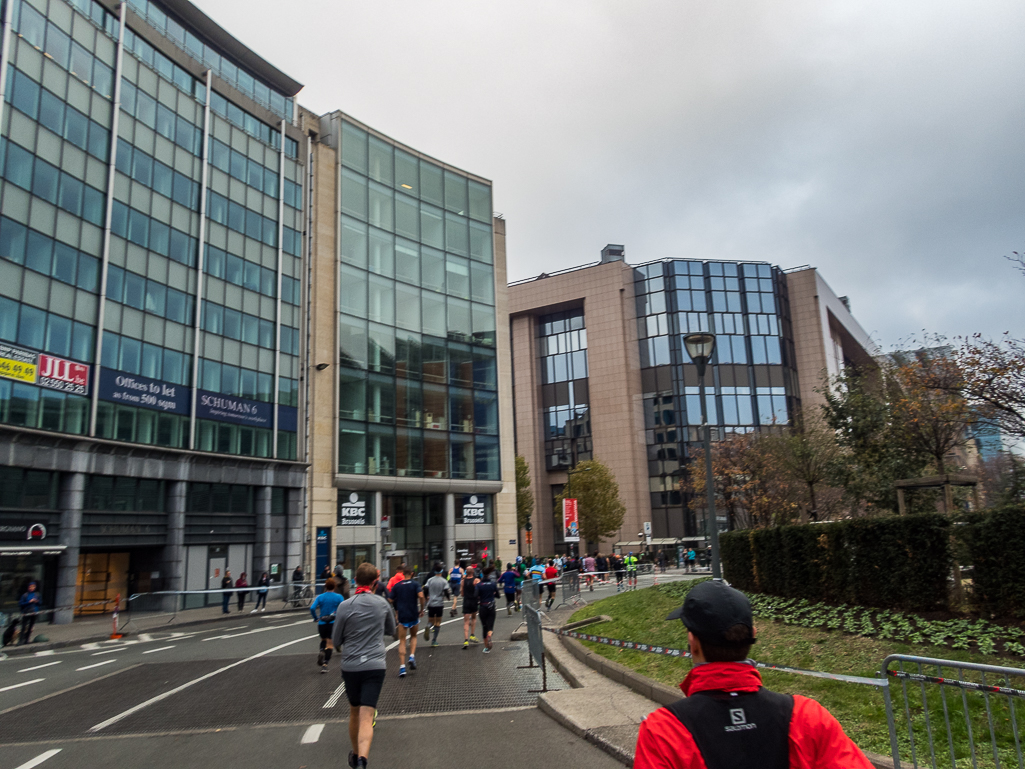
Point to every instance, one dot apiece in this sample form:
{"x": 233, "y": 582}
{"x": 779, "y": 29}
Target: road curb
{"x": 595, "y": 739}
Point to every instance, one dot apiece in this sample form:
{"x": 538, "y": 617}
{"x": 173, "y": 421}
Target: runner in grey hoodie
{"x": 437, "y": 591}
{"x": 360, "y": 626}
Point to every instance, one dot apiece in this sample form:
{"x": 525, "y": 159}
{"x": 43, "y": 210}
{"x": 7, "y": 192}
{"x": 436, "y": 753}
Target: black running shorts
{"x": 469, "y": 607}
{"x": 435, "y": 611}
{"x": 326, "y": 629}
{"x": 363, "y": 687}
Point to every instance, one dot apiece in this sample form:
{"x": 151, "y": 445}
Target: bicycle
{"x": 300, "y": 598}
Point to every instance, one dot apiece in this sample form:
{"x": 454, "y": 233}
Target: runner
{"x": 602, "y": 565}
{"x": 508, "y": 580}
{"x": 537, "y": 573}
{"x": 520, "y": 569}
{"x": 487, "y": 591}
{"x": 397, "y": 577}
{"x": 437, "y": 591}
{"x": 327, "y": 604}
{"x": 617, "y": 567}
{"x": 590, "y": 567}
{"x": 631, "y": 570}
{"x": 551, "y": 574}
{"x": 360, "y": 626}
{"x": 408, "y": 598}
{"x": 454, "y": 578}
{"x": 470, "y": 607}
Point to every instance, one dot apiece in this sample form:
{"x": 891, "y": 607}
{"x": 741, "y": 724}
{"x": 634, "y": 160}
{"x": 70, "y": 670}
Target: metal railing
{"x": 944, "y": 710}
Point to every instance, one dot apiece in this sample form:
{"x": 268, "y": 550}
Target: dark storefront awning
{"x": 11, "y": 551}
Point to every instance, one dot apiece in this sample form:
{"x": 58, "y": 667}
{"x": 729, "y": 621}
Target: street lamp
{"x": 569, "y": 495}
{"x": 699, "y": 348}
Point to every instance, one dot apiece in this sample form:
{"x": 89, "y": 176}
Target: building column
{"x": 294, "y": 544}
{"x": 174, "y": 550}
{"x": 72, "y": 500}
{"x": 380, "y": 532}
{"x": 261, "y": 550}
{"x": 450, "y": 530}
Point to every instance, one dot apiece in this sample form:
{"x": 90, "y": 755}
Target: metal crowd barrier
{"x": 982, "y": 704}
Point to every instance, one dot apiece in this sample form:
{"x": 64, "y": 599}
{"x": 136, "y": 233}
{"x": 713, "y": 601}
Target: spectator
{"x": 226, "y": 584}
{"x": 240, "y": 583}
{"x": 261, "y": 595}
{"x": 29, "y": 603}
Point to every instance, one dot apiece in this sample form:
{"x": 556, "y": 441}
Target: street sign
{"x": 647, "y": 532}
{"x": 530, "y": 537}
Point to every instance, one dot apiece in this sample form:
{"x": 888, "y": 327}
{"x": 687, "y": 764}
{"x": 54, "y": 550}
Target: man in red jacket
{"x": 728, "y": 719}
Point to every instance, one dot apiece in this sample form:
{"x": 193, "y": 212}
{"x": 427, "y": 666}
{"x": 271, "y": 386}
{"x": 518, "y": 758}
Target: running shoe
{"x": 352, "y": 760}
{"x": 486, "y": 650}
{"x": 434, "y": 643}
{"x": 361, "y": 762}
{"x": 474, "y": 639}
{"x": 402, "y": 671}
{"x": 427, "y": 633}
{"x": 466, "y": 645}
{"x": 320, "y": 657}
{"x": 323, "y": 668}
{"x": 412, "y": 662}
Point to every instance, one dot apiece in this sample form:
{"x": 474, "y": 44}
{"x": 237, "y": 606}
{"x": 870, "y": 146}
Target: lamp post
{"x": 699, "y": 348}
{"x": 569, "y": 495}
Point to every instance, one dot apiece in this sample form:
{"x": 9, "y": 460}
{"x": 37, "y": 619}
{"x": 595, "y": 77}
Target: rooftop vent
{"x": 613, "y": 253}
{"x": 846, "y": 302}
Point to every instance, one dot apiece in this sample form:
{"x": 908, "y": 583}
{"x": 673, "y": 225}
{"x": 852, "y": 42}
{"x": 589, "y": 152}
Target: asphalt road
{"x": 248, "y": 693}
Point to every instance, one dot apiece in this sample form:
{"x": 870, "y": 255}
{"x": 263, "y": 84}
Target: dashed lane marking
{"x": 95, "y": 665}
{"x": 40, "y": 667}
{"x": 161, "y": 649}
{"x": 312, "y": 734}
{"x": 23, "y": 683}
{"x": 39, "y": 759}
{"x": 105, "y": 651}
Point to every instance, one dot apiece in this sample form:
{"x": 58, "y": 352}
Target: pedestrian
{"x": 617, "y": 567}
{"x": 487, "y": 591}
{"x": 397, "y": 577}
{"x": 728, "y": 719}
{"x": 261, "y": 595}
{"x": 241, "y": 582}
{"x": 590, "y": 567}
{"x": 343, "y": 581}
{"x": 408, "y": 598}
{"x": 631, "y": 570}
{"x": 360, "y": 626}
{"x": 508, "y": 581}
{"x": 29, "y": 603}
{"x": 551, "y": 575}
{"x": 601, "y": 563}
{"x": 454, "y": 578}
{"x": 298, "y": 580}
{"x": 326, "y": 604}
{"x": 470, "y": 607}
{"x": 437, "y": 591}
{"x": 226, "y": 584}
{"x": 662, "y": 561}
{"x": 326, "y": 574}
{"x": 692, "y": 560}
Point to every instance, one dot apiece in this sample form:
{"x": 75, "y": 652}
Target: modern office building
{"x": 151, "y": 303}
{"x": 600, "y": 371}
{"x": 410, "y": 394}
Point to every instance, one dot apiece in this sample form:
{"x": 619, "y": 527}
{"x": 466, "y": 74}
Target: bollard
{"x": 117, "y": 605}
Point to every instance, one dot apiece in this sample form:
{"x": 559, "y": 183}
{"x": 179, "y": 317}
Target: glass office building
{"x": 418, "y": 413}
{"x": 151, "y": 300}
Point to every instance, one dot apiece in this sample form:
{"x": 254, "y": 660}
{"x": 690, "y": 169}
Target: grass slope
{"x": 640, "y": 616}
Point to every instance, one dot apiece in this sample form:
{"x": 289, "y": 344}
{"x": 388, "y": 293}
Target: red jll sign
{"x": 64, "y": 375}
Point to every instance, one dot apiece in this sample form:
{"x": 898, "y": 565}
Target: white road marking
{"x": 312, "y": 734}
{"x": 161, "y": 697}
{"x": 95, "y": 665}
{"x": 39, "y": 759}
{"x": 23, "y": 683}
{"x": 40, "y": 667}
{"x": 145, "y": 637}
{"x": 45, "y": 653}
{"x": 251, "y": 632}
{"x": 106, "y": 651}
{"x": 333, "y": 699}
{"x": 161, "y": 649}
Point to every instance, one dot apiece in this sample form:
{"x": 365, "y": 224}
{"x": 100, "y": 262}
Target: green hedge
{"x": 890, "y": 563}
{"x": 996, "y": 544}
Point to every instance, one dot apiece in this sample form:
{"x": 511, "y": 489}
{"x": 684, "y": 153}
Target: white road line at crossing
{"x": 45, "y": 653}
{"x": 95, "y": 665}
{"x": 258, "y": 630}
{"x": 40, "y": 759}
{"x": 105, "y": 651}
{"x": 161, "y": 697}
{"x": 333, "y": 699}
{"x": 23, "y": 683}
{"x": 312, "y": 734}
{"x": 161, "y": 649}
{"x": 40, "y": 667}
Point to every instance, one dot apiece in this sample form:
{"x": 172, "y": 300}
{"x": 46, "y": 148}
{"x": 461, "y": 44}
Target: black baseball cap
{"x": 711, "y": 608}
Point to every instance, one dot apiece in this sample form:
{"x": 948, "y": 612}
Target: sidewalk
{"x": 99, "y": 628}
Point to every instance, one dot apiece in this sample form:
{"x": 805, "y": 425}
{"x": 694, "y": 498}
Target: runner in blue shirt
{"x": 455, "y": 578}
{"x": 327, "y": 604}
{"x": 508, "y": 580}
{"x": 408, "y": 597}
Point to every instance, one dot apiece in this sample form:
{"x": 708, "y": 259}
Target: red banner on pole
{"x": 570, "y": 521}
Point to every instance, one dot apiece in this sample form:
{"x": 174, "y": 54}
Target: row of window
{"x": 218, "y": 377}
{"x": 250, "y": 275}
{"x": 136, "y": 164}
{"x": 566, "y": 422}
{"x": 122, "y": 353}
{"x": 435, "y": 361}
{"x": 221, "y": 65}
{"x": 165, "y": 121}
{"x": 251, "y": 125}
{"x": 565, "y": 341}
{"x": 99, "y": 15}
{"x": 30, "y": 98}
{"x": 394, "y": 257}
{"x": 383, "y": 450}
{"x": 57, "y": 187}
{"x": 138, "y": 425}
{"x": 242, "y": 220}
{"x": 226, "y": 438}
{"x": 151, "y": 234}
{"x": 32, "y": 489}
{"x": 46, "y": 36}
{"x": 119, "y": 494}
{"x": 37, "y": 329}
{"x": 163, "y": 66}
{"x": 252, "y": 173}
{"x": 392, "y": 212}
{"x": 564, "y": 367}
{"x": 50, "y": 257}
{"x": 247, "y": 328}
{"x": 412, "y": 176}
{"x": 24, "y": 405}
{"x": 149, "y": 296}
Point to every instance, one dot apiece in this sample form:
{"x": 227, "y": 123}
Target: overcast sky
{"x": 879, "y": 141}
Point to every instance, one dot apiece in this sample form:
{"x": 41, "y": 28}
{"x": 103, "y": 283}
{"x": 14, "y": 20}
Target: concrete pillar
{"x": 450, "y": 530}
{"x": 72, "y": 500}
{"x": 294, "y": 544}
{"x": 261, "y": 550}
{"x": 174, "y": 550}
{"x": 380, "y": 533}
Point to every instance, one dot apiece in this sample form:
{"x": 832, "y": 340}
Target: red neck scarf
{"x": 364, "y": 589}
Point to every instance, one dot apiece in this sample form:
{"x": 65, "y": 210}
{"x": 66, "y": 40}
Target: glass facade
{"x": 562, "y": 351}
{"x": 240, "y": 286}
{"x": 418, "y": 381}
{"x": 751, "y": 383}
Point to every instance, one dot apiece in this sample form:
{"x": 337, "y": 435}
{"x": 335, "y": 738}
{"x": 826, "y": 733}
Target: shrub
{"x": 889, "y": 563}
{"x": 996, "y": 542}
